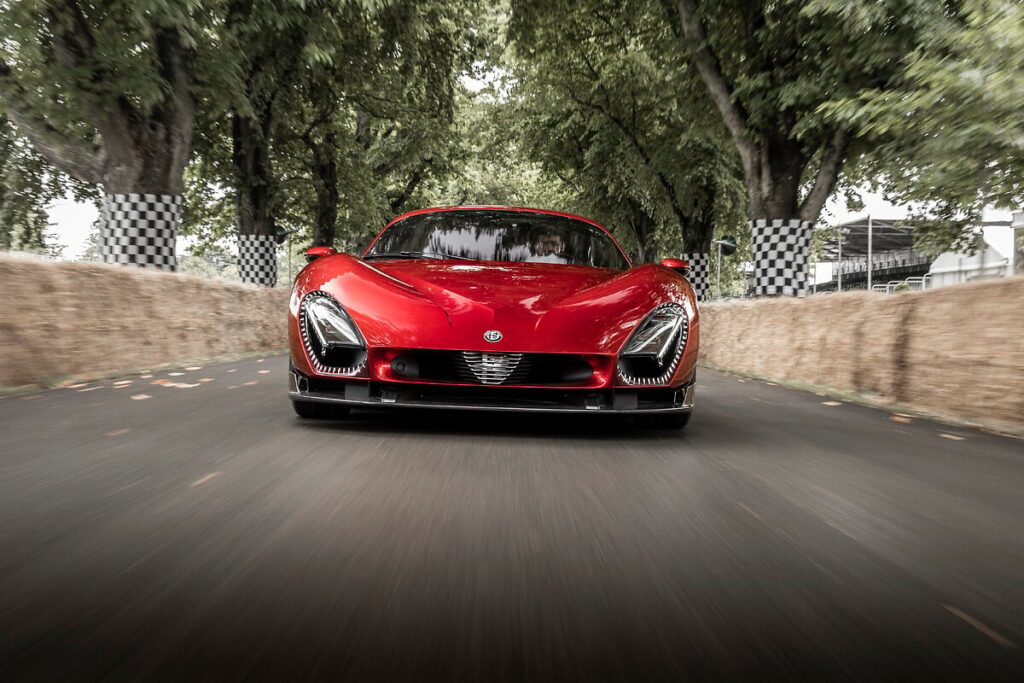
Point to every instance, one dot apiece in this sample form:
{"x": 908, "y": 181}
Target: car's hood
{"x": 529, "y": 289}
{"x": 536, "y": 307}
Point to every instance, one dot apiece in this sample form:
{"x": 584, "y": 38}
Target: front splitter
{"x": 393, "y": 398}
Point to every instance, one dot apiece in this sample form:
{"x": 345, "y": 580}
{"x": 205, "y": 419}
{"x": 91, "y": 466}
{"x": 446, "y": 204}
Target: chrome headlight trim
{"x": 305, "y": 323}
{"x": 679, "y": 331}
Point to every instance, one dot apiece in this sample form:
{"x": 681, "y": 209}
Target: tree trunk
{"x": 257, "y": 246}
{"x": 774, "y": 164}
{"x": 697, "y": 236}
{"x": 325, "y": 181}
{"x": 143, "y": 183}
{"x": 642, "y": 226}
{"x": 141, "y": 155}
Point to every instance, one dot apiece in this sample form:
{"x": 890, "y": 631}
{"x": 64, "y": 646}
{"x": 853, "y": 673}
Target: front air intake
{"x": 491, "y": 368}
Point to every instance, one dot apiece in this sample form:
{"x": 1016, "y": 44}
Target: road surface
{"x": 189, "y": 526}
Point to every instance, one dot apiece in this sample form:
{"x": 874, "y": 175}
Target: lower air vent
{"x": 491, "y": 368}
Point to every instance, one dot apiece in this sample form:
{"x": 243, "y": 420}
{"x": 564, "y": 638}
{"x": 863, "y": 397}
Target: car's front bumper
{"x": 369, "y": 394}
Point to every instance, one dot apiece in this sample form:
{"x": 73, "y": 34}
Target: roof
{"x": 887, "y": 234}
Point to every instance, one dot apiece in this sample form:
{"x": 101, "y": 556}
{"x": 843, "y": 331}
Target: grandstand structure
{"x": 871, "y": 252}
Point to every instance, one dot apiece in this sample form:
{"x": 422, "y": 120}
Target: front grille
{"x": 492, "y": 369}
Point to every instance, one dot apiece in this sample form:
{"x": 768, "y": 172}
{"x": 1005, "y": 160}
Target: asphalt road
{"x": 197, "y": 529}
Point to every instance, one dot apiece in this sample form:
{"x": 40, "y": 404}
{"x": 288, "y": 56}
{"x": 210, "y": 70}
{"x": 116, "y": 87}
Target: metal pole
{"x": 719, "y": 269}
{"x": 289, "y": 258}
{"x": 870, "y": 265}
{"x": 839, "y": 264}
{"x": 1017, "y": 248}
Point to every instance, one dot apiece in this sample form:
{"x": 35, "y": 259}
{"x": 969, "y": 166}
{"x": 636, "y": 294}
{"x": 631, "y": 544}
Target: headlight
{"x": 331, "y": 338}
{"x": 331, "y": 324}
{"x": 652, "y": 352}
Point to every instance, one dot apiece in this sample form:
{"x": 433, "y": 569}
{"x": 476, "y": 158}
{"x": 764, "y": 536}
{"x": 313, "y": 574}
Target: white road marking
{"x": 994, "y": 635}
{"x": 831, "y": 403}
{"x": 901, "y": 419}
{"x": 203, "y": 480}
{"x": 141, "y": 397}
{"x": 175, "y": 374}
{"x": 263, "y": 372}
{"x": 952, "y": 437}
{"x": 118, "y": 432}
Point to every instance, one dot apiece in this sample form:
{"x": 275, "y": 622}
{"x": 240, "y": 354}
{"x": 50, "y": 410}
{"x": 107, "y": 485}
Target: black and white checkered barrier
{"x": 140, "y": 229}
{"x": 780, "y": 256}
{"x": 700, "y": 274}
{"x": 257, "y": 259}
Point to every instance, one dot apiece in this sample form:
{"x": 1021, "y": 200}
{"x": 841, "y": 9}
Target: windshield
{"x": 499, "y": 236}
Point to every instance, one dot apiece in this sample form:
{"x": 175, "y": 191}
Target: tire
{"x": 666, "y": 421}
{"x": 311, "y": 410}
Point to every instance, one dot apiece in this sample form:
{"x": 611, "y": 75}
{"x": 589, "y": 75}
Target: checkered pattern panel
{"x": 780, "y": 256}
{"x": 140, "y": 229}
{"x": 700, "y": 274}
{"x": 257, "y": 259}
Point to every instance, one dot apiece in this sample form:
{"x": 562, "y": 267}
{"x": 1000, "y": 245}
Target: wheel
{"x": 319, "y": 411}
{"x": 665, "y": 421}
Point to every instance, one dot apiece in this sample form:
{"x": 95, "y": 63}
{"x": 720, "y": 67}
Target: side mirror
{"x": 313, "y": 253}
{"x": 681, "y": 267}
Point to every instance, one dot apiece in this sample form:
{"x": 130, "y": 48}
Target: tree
{"x": 345, "y": 113}
{"x": 273, "y": 41}
{"x": 387, "y": 127}
{"x": 608, "y": 107}
{"x": 948, "y": 137}
{"x": 27, "y": 185}
{"x": 769, "y": 67}
{"x": 106, "y": 92}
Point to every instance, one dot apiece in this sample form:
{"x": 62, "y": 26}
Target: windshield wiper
{"x": 417, "y": 254}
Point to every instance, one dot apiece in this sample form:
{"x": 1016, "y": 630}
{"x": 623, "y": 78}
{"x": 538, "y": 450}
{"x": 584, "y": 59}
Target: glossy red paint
{"x": 675, "y": 264}
{"x": 314, "y": 253}
{"x": 538, "y": 308}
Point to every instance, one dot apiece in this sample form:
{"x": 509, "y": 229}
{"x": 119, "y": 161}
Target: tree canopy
{"x": 672, "y": 121}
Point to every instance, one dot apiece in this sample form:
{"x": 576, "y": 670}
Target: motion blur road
{"x": 189, "y": 526}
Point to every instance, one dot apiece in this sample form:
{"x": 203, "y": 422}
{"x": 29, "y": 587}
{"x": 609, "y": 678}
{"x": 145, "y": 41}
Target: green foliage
{"x": 951, "y": 131}
{"x": 490, "y": 167}
{"x": 604, "y": 102}
{"x": 770, "y": 66}
{"x": 27, "y": 185}
{"x": 359, "y": 117}
{"x": 937, "y": 235}
{"x": 597, "y": 107}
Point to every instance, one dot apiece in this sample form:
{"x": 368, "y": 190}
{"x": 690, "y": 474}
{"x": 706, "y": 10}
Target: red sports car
{"x": 493, "y": 308}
